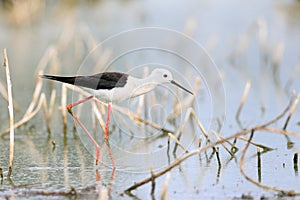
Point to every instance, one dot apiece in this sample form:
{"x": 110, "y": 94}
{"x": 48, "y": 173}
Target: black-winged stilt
{"x": 113, "y": 87}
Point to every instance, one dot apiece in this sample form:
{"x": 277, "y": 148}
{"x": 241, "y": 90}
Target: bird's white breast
{"x": 134, "y": 87}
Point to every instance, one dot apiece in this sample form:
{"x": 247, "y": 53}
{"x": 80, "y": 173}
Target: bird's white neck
{"x": 142, "y": 85}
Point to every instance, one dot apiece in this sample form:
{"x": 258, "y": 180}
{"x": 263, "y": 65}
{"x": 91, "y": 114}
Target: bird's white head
{"x": 161, "y": 76}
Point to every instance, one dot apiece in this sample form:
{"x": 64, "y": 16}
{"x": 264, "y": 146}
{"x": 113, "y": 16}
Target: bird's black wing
{"x": 106, "y": 80}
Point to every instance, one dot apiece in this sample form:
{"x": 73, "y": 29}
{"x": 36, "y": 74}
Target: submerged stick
{"x": 11, "y": 114}
{"x": 295, "y": 160}
{"x": 258, "y": 164}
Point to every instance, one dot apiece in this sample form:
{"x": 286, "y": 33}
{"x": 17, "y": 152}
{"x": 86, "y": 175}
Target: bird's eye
{"x": 165, "y": 75}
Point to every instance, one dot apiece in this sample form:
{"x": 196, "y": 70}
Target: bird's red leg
{"x": 107, "y": 121}
{"x": 69, "y": 108}
{"x": 106, "y": 136}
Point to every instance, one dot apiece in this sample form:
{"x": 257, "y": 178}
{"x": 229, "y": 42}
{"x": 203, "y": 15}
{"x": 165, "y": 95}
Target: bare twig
{"x": 51, "y": 104}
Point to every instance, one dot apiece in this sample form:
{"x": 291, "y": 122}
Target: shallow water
{"x": 242, "y": 44}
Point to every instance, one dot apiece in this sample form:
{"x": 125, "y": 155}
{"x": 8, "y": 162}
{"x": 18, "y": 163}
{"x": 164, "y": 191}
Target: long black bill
{"x": 173, "y": 82}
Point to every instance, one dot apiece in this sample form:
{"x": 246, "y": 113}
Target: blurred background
{"x": 246, "y": 37}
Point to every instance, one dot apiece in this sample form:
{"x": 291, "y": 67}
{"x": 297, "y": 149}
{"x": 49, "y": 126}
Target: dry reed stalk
{"x": 52, "y": 102}
{"x": 219, "y": 137}
{"x": 180, "y": 130}
{"x": 102, "y": 59}
{"x": 279, "y": 131}
{"x": 50, "y": 53}
{"x": 277, "y": 56}
{"x": 242, "y": 162}
{"x": 11, "y": 113}
{"x": 265, "y": 148}
{"x": 28, "y": 117}
{"x": 259, "y": 164}
{"x": 218, "y": 156}
{"x": 294, "y": 106}
{"x": 136, "y": 118}
{"x": 64, "y": 106}
{"x": 186, "y": 102}
{"x": 199, "y": 124}
{"x": 210, "y": 145}
{"x": 170, "y": 135}
{"x": 35, "y": 96}
{"x": 98, "y": 116}
{"x": 295, "y": 72}
{"x": 190, "y": 112}
{"x": 200, "y": 141}
{"x": 164, "y": 193}
{"x": 46, "y": 112}
{"x": 152, "y": 182}
{"x": 278, "y": 53}
{"x": 262, "y": 34}
{"x": 242, "y": 102}
{"x": 3, "y": 92}
{"x": 141, "y": 105}
{"x": 31, "y": 113}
